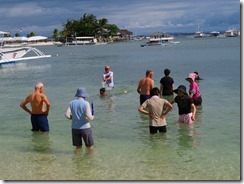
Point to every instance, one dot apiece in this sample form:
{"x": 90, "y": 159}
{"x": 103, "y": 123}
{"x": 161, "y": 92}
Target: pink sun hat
{"x": 191, "y": 76}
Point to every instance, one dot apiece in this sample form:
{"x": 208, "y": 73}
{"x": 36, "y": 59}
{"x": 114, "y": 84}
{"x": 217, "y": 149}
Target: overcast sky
{"x": 138, "y": 16}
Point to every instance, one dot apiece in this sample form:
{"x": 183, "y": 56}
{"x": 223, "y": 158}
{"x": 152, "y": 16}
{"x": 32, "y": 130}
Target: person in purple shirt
{"x": 194, "y": 90}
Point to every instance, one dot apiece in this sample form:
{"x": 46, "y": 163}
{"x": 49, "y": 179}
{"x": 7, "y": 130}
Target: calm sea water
{"x": 124, "y": 149}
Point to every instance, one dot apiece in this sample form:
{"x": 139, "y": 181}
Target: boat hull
{"x": 12, "y": 55}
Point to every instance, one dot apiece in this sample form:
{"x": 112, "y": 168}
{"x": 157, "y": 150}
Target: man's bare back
{"x": 37, "y": 101}
{"x": 146, "y": 84}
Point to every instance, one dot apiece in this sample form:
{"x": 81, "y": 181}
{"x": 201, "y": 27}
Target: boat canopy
{"x": 22, "y": 39}
{"x": 2, "y": 32}
{"x": 36, "y": 38}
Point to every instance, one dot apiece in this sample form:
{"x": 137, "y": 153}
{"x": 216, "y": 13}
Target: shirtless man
{"x": 38, "y": 112}
{"x": 145, "y": 85}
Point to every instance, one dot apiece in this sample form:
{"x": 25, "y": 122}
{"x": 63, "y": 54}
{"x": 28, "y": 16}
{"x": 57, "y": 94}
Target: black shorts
{"x": 85, "y": 134}
{"x": 143, "y": 98}
{"x": 198, "y": 101}
{"x": 154, "y": 130}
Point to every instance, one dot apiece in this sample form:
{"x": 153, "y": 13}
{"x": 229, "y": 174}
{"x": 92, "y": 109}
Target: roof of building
{"x": 125, "y": 32}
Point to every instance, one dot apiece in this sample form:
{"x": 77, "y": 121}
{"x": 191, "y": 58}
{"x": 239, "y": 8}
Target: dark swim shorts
{"x": 197, "y": 101}
{"x": 39, "y": 122}
{"x": 154, "y": 130}
{"x": 143, "y": 98}
{"x": 86, "y": 134}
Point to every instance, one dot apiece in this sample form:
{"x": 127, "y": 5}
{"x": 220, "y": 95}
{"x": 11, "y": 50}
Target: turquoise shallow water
{"x": 124, "y": 149}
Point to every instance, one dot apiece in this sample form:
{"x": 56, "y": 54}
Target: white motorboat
{"x": 14, "y": 54}
{"x": 160, "y": 41}
{"x": 232, "y": 32}
{"x": 199, "y": 33}
{"x": 86, "y": 40}
{"x": 214, "y": 33}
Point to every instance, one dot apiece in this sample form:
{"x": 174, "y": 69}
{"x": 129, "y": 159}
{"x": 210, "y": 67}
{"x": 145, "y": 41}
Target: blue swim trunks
{"x": 39, "y": 122}
{"x": 143, "y": 98}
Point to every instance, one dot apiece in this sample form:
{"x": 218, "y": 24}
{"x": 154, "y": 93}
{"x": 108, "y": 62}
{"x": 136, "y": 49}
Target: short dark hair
{"x": 154, "y": 91}
{"x": 166, "y": 71}
{"x": 102, "y": 89}
{"x": 148, "y": 72}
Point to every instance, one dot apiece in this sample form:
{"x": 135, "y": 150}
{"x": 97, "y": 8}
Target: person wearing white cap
{"x": 194, "y": 90}
{"x": 79, "y": 111}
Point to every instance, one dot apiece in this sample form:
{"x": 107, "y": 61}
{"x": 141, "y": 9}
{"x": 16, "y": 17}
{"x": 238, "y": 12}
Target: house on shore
{"x": 123, "y": 35}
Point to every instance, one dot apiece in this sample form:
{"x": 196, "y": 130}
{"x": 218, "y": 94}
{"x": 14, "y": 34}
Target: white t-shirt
{"x": 109, "y": 83}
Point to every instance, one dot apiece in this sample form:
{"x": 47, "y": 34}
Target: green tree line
{"x": 87, "y": 25}
{"x": 18, "y": 34}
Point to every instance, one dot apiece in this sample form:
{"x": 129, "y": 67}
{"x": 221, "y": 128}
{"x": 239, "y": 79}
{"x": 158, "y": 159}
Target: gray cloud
{"x": 138, "y": 16}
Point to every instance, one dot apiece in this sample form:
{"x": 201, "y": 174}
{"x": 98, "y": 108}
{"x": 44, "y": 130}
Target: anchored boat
{"x": 13, "y": 54}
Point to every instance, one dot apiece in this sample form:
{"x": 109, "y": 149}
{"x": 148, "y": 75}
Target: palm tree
{"x": 55, "y": 34}
{"x": 89, "y": 25}
{"x": 102, "y": 26}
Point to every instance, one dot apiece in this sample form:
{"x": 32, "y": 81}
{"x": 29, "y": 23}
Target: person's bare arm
{"x": 142, "y": 110}
{"x": 152, "y": 84}
{"x": 139, "y": 88}
{"x": 23, "y": 105}
{"x": 193, "y": 108}
{"x": 46, "y": 101}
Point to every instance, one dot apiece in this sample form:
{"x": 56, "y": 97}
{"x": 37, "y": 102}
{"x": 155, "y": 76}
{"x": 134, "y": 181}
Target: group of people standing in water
{"x": 153, "y": 100}
{"x": 152, "y": 103}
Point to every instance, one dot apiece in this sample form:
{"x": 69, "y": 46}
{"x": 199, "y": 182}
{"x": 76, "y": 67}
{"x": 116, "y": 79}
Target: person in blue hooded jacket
{"x": 79, "y": 111}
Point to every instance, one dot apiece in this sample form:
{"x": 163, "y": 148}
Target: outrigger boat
{"x": 11, "y": 55}
{"x": 160, "y": 39}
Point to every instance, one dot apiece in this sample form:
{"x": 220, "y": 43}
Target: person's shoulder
{"x": 43, "y": 95}
{"x": 142, "y": 80}
{"x": 31, "y": 94}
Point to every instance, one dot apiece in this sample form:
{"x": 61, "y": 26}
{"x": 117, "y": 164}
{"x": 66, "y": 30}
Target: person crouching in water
{"x": 186, "y": 107}
{"x": 156, "y": 112}
{"x": 102, "y": 92}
